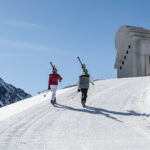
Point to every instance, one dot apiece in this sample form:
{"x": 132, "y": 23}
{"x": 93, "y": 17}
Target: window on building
{"x": 127, "y": 51}
{"x": 120, "y": 67}
{"x": 122, "y": 62}
{"x": 124, "y": 57}
{"x": 129, "y": 46}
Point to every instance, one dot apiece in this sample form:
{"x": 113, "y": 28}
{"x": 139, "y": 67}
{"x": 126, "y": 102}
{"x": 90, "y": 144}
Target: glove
{"x": 79, "y": 90}
{"x": 59, "y": 80}
{"x": 49, "y": 88}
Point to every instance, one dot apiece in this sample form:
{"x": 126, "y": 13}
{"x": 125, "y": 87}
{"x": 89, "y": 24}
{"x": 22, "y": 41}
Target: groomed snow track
{"x": 117, "y": 117}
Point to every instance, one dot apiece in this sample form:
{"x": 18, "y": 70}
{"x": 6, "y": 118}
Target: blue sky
{"x": 34, "y": 32}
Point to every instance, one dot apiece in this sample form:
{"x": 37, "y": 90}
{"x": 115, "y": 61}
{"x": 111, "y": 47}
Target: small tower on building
{"x": 133, "y": 52}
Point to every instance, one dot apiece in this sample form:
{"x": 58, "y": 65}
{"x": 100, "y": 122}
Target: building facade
{"x": 133, "y": 52}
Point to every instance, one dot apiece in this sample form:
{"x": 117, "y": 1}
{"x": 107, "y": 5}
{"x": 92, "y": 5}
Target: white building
{"x": 133, "y": 52}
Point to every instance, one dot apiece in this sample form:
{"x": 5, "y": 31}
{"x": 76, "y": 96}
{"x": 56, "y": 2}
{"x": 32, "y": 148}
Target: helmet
{"x": 54, "y": 70}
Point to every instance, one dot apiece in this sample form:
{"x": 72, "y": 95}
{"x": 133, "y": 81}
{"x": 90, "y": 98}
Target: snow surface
{"x": 117, "y": 117}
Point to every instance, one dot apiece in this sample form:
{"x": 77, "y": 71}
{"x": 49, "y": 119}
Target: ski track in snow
{"x": 117, "y": 117}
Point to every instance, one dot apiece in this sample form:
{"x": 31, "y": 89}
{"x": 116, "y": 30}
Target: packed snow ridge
{"x": 9, "y": 94}
{"x": 117, "y": 117}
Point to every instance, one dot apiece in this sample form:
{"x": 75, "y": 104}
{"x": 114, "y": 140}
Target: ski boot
{"x": 52, "y": 102}
{"x": 55, "y": 100}
{"x": 83, "y": 103}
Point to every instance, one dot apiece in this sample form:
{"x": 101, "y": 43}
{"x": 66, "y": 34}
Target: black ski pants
{"x": 84, "y": 94}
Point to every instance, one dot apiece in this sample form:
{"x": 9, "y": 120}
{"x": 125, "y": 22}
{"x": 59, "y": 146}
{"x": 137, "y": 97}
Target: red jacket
{"x": 53, "y": 79}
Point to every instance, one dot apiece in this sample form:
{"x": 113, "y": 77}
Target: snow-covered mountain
{"x": 10, "y": 94}
{"x": 117, "y": 117}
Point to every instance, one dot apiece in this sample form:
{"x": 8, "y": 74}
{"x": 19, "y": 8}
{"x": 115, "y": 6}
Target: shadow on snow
{"x": 104, "y": 112}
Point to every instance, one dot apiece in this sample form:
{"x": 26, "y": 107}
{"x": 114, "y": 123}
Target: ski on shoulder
{"x": 85, "y": 71}
{"x": 53, "y": 67}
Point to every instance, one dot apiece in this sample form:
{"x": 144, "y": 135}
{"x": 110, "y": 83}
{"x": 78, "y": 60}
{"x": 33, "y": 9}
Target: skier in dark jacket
{"x": 83, "y": 86}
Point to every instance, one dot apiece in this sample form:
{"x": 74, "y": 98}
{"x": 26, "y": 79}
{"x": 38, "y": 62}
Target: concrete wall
{"x": 133, "y": 51}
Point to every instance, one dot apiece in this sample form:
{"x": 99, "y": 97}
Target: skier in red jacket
{"x": 53, "y": 83}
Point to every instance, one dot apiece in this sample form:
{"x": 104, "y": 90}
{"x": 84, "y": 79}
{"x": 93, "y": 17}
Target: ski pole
{"x": 74, "y": 94}
{"x": 47, "y": 92}
{"x": 42, "y": 91}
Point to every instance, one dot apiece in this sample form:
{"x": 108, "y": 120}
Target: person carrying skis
{"x": 83, "y": 86}
{"x": 53, "y": 83}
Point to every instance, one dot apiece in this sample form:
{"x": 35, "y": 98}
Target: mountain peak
{"x": 10, "y": 94}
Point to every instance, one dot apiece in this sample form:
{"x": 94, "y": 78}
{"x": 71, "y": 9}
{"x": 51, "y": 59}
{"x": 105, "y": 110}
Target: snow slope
{"x": 117, "y": 117}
